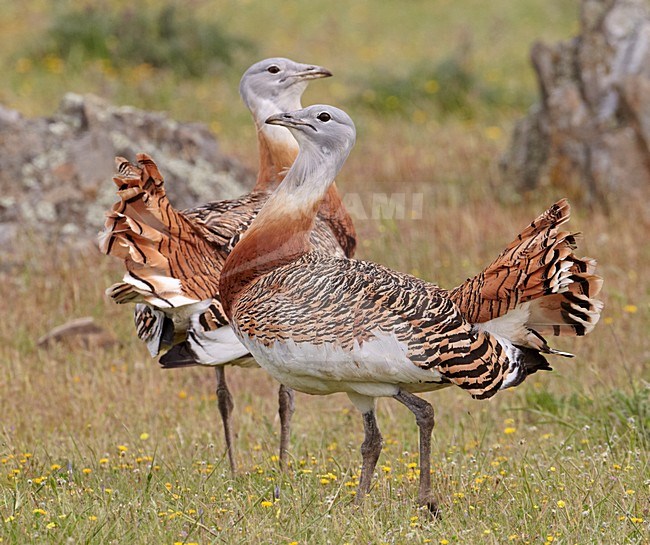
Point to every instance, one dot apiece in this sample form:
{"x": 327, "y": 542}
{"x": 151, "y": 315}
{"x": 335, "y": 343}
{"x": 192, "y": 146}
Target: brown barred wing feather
{"x": 223, "y": 221}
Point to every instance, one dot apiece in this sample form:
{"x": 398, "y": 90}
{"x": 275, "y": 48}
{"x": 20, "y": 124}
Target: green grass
{"x": 101, "y": 446}
{"x": 162, "y": 37}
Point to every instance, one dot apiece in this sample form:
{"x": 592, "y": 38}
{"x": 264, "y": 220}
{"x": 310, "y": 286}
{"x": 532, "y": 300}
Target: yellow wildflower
{"x": 23, "y": 65}
{"x": 431, "y": 86}
{"x": 53, "y": 64}
{"x": 493, "y": 132}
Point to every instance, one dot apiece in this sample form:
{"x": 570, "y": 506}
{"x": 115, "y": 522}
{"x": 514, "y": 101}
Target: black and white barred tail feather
{"x": 537, "y": 286}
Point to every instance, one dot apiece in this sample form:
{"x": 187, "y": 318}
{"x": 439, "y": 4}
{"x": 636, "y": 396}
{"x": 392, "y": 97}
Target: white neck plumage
{"x": 262, "y": 109}
{"x": 306, "y": 183}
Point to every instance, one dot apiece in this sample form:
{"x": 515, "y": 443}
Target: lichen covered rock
{"x": 55, "y": 175}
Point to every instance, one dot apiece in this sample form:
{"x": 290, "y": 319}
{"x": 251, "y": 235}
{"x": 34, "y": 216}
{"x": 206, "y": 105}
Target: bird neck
{"x": 277, "y": 150}
{"x": 333, "y": 212}
{"x": 280, "y": 232}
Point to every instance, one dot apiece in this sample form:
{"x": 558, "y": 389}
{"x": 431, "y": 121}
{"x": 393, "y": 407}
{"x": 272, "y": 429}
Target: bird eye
{"x": 324, "y": 116}
{"x": 273, "y": 69}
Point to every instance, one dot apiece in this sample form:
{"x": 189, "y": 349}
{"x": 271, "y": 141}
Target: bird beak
{"x": 309, "y": 71}
{"x": 287, "y": 120}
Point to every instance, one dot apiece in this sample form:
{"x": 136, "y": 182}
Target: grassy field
{"x": 101, "y": 446}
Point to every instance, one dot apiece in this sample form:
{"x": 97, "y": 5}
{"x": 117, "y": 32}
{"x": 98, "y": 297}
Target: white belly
{"x": 377, "y": 368}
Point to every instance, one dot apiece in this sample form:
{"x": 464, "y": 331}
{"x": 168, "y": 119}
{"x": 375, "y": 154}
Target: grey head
{"x": 276, "y": 85}
{"x": 324, "y": 131}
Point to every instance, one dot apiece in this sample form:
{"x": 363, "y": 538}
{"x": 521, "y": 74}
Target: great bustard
{"x": 321, "y": 324}
{"x": 174, "y": 258}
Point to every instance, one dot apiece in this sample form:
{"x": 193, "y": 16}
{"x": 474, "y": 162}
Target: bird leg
{"x": 226, "y": 405}
{"x": 370, "y": 451}
{"x": 286, "y": 408}
{"x": 424, "y": 417}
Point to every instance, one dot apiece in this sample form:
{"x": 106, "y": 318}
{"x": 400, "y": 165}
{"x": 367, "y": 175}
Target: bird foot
{"x": 432, "y": 509}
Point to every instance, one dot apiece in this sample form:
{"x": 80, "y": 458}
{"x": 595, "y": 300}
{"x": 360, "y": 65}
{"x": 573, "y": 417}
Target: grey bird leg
{"x": 424, "y": 417}
{"x": 370, "y": 451}
{"x": 286, "y": 408}
{"x": 224, "y": 400}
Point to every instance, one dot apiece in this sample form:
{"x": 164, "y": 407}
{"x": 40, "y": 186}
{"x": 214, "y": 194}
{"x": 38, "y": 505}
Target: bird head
{"x": 276, "y": 85}
{"x": 324, "y": 130}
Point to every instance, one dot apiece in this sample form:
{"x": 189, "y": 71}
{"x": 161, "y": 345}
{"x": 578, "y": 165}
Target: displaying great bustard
{"x": 321, "y": 324}
{"x": 174, "y": 258}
